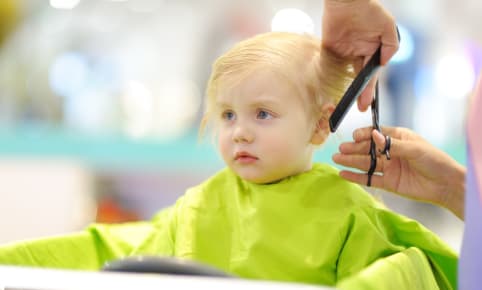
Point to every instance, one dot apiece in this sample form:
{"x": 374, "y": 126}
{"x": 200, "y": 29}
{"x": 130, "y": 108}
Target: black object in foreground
{"x": 163, "y": 265}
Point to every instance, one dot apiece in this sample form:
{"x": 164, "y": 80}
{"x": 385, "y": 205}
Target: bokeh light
{"x": 178, "y": 103}
{"x": 138, "y": 105}
{"x": 292, "y": 20}
{"x": 69, "y": 73}
{"x": 454, "y": 76}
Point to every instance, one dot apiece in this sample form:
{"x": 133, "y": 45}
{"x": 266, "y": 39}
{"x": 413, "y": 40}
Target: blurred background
{"x": 100, "y": 100}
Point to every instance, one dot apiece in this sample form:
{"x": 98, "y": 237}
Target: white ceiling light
{"x": 64, "y": 4}
{"x": 292, "y": 20}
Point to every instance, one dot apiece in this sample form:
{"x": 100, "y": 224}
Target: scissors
{"x": 352, "y": 93}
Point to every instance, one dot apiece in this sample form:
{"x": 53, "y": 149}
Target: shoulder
{"x": 325, "y": 179}
{"x": 208, "y": 195}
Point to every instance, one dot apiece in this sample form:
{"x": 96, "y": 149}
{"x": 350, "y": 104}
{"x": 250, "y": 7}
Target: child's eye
{"x": 263, "y": 114}
{"x": 228, "y": 115}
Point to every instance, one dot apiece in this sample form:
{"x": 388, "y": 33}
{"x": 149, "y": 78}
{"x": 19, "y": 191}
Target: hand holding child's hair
{"x": 354, "y": 29}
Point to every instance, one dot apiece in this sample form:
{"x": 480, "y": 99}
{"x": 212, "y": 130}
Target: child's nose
{"x": 242, "y": 134}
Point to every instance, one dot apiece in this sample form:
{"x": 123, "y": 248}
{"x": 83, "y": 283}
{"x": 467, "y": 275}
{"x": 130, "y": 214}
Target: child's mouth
{"x": 245, "y": 158}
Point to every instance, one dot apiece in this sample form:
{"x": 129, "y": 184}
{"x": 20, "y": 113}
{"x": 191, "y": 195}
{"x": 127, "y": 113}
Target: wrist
{"x": 455, "y": 195}
{"x": 338, "y": 2}
{"x": 344, "y": 1}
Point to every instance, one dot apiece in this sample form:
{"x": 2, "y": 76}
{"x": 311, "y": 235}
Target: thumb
{"x": 379, "y": 139}
{"x": 398, "y": 148}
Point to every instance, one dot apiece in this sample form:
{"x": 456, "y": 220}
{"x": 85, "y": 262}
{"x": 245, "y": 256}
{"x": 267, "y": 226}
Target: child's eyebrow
{"x": 265, "y": 102}
{"x": 259, "y": 102}
{"x": 222, "y": 104}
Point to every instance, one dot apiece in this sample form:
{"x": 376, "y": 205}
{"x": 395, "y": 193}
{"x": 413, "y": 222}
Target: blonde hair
{"x": 316, "y": 73}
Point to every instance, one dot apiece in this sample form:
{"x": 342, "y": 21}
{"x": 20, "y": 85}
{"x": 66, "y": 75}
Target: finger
{"x": 387, "y": 52}
{"x": 355, "y": 147}
{"x": 394, "y": 132}
{"x": 362, "y": 178}
{"x": 362, "y": 134}
{"x": 390, "y": 43}
{"x": 361, "y": 162}
{"x": 366, "y": 97}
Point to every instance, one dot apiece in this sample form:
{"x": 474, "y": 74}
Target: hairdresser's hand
{"x": 354, "y": 29}
{"x": 416, "y": 169}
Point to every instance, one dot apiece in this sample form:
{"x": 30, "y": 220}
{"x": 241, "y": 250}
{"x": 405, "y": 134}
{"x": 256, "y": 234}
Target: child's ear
{"x": 322, "y": 128}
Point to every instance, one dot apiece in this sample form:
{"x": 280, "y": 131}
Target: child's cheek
{"x": 224, "y": 145}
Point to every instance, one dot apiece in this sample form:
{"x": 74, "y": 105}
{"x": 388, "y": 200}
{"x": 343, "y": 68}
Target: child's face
{"x": 264, "y": 129}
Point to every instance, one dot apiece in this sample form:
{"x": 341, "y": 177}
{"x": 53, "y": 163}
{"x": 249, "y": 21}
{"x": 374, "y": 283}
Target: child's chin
{"x": 259, "y": 179}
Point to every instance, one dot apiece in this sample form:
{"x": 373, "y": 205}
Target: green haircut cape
{"x": 310, "y": 228}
